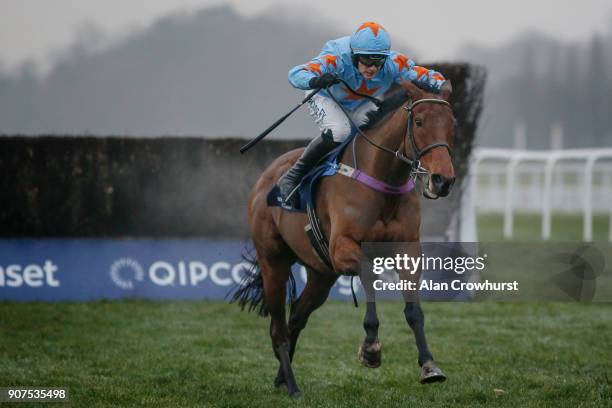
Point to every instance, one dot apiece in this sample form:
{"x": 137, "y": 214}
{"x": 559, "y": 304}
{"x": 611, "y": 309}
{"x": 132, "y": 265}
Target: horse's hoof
{"x": 281, "y": 383}
{"x": 430, "y": 373}
{"x": 370, "y": 355}
{"x": 295, "y": 394}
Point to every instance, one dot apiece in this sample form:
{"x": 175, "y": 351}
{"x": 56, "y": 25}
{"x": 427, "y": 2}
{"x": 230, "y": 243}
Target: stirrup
{"x": 289, "y": 202}
{"x": 314, "y": 151}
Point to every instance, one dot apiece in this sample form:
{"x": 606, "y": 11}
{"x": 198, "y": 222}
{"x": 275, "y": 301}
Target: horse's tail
{"x": 249, "y": 293}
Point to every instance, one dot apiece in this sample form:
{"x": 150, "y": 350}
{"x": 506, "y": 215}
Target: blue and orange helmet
{"x": 370, "y": 38}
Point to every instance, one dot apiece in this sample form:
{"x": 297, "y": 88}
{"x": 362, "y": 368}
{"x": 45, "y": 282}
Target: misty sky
{"x": 436, "y": 29}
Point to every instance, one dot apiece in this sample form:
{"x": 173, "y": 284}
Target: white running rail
{"x": 544, "y": 191}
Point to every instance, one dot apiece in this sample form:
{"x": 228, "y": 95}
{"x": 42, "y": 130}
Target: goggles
{"x": 377, "y": 60}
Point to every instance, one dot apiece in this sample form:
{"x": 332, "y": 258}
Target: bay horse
{"x": 420, "y": 125}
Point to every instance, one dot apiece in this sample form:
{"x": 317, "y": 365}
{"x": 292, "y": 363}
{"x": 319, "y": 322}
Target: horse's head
{"x": 431, "y": 132}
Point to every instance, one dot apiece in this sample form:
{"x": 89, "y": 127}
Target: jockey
{"x": 366, "y": 63}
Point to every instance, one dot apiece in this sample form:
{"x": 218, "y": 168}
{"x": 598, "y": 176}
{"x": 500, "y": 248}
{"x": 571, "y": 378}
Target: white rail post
{"x": 546, "y": 198}
{"x": 508, "y": 211}
{"x": 469, "y": 223}
{"x": 587, "y": 223}
{"x": 606, "y": 189}
{"x": 610, "y": 227}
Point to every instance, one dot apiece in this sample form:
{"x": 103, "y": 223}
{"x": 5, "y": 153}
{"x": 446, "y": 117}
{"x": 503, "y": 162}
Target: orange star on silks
{"x": 330, "y": 59}
{"x": 438, "y": 76}
{"x": 420, "y": 71}
{"x": 315, "y": 68}
{"x": 363, "y": 89}
{"x": 372, "y": 25}
{"x": 402, "y": 62}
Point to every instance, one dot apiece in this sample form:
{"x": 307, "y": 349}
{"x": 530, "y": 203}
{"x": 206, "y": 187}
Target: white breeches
{"x": 329, "y": 116}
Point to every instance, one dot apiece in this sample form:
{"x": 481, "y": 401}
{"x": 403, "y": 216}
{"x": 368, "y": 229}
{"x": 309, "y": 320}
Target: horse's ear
{"x": 446, "y": 90}
{"x": 414, "y": 92}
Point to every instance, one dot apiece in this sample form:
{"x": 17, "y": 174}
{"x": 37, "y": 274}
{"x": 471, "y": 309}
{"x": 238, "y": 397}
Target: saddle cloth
{"x": 306, "y": 189}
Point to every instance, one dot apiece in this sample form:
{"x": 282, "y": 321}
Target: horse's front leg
{"x": 416, "y": 320}
{"x": 347, "y": 257}
{"x": 370, "y": 351}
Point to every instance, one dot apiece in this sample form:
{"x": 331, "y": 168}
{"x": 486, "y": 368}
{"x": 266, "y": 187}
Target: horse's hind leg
{"x": 275, "y": 273}
{"x": 313, "y": 296}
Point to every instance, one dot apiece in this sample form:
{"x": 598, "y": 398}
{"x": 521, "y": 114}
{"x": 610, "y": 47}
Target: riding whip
{"x": 278, "y": 122}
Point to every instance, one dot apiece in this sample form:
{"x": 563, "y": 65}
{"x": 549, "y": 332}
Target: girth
{"x": 320, "y": 243}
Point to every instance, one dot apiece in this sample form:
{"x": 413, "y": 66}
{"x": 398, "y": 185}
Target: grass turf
{"x": 528, "y": 227}
{"x": 204, "y": 353}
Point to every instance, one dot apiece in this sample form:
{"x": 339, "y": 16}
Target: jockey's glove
{"x": 323, "y": 81}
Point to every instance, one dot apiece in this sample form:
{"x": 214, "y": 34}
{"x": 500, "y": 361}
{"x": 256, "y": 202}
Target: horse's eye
{"x": 418, "y": 122}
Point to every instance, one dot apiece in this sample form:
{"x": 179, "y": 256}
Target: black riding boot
{"x": 316, "y": 149}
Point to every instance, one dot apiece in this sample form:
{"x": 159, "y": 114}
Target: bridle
{"x": 416, "y": 168}
{"x": 419, "y": 153}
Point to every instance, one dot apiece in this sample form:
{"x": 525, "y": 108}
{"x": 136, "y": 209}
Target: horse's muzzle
{"x": 439, "y": 186}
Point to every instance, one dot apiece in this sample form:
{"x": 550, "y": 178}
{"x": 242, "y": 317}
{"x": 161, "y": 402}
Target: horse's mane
{"x": 394, "y": 98}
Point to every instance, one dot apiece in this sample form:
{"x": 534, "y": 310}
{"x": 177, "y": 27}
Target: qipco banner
{"x": 113, "y": 269}
{"x": 61, "y": 269}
